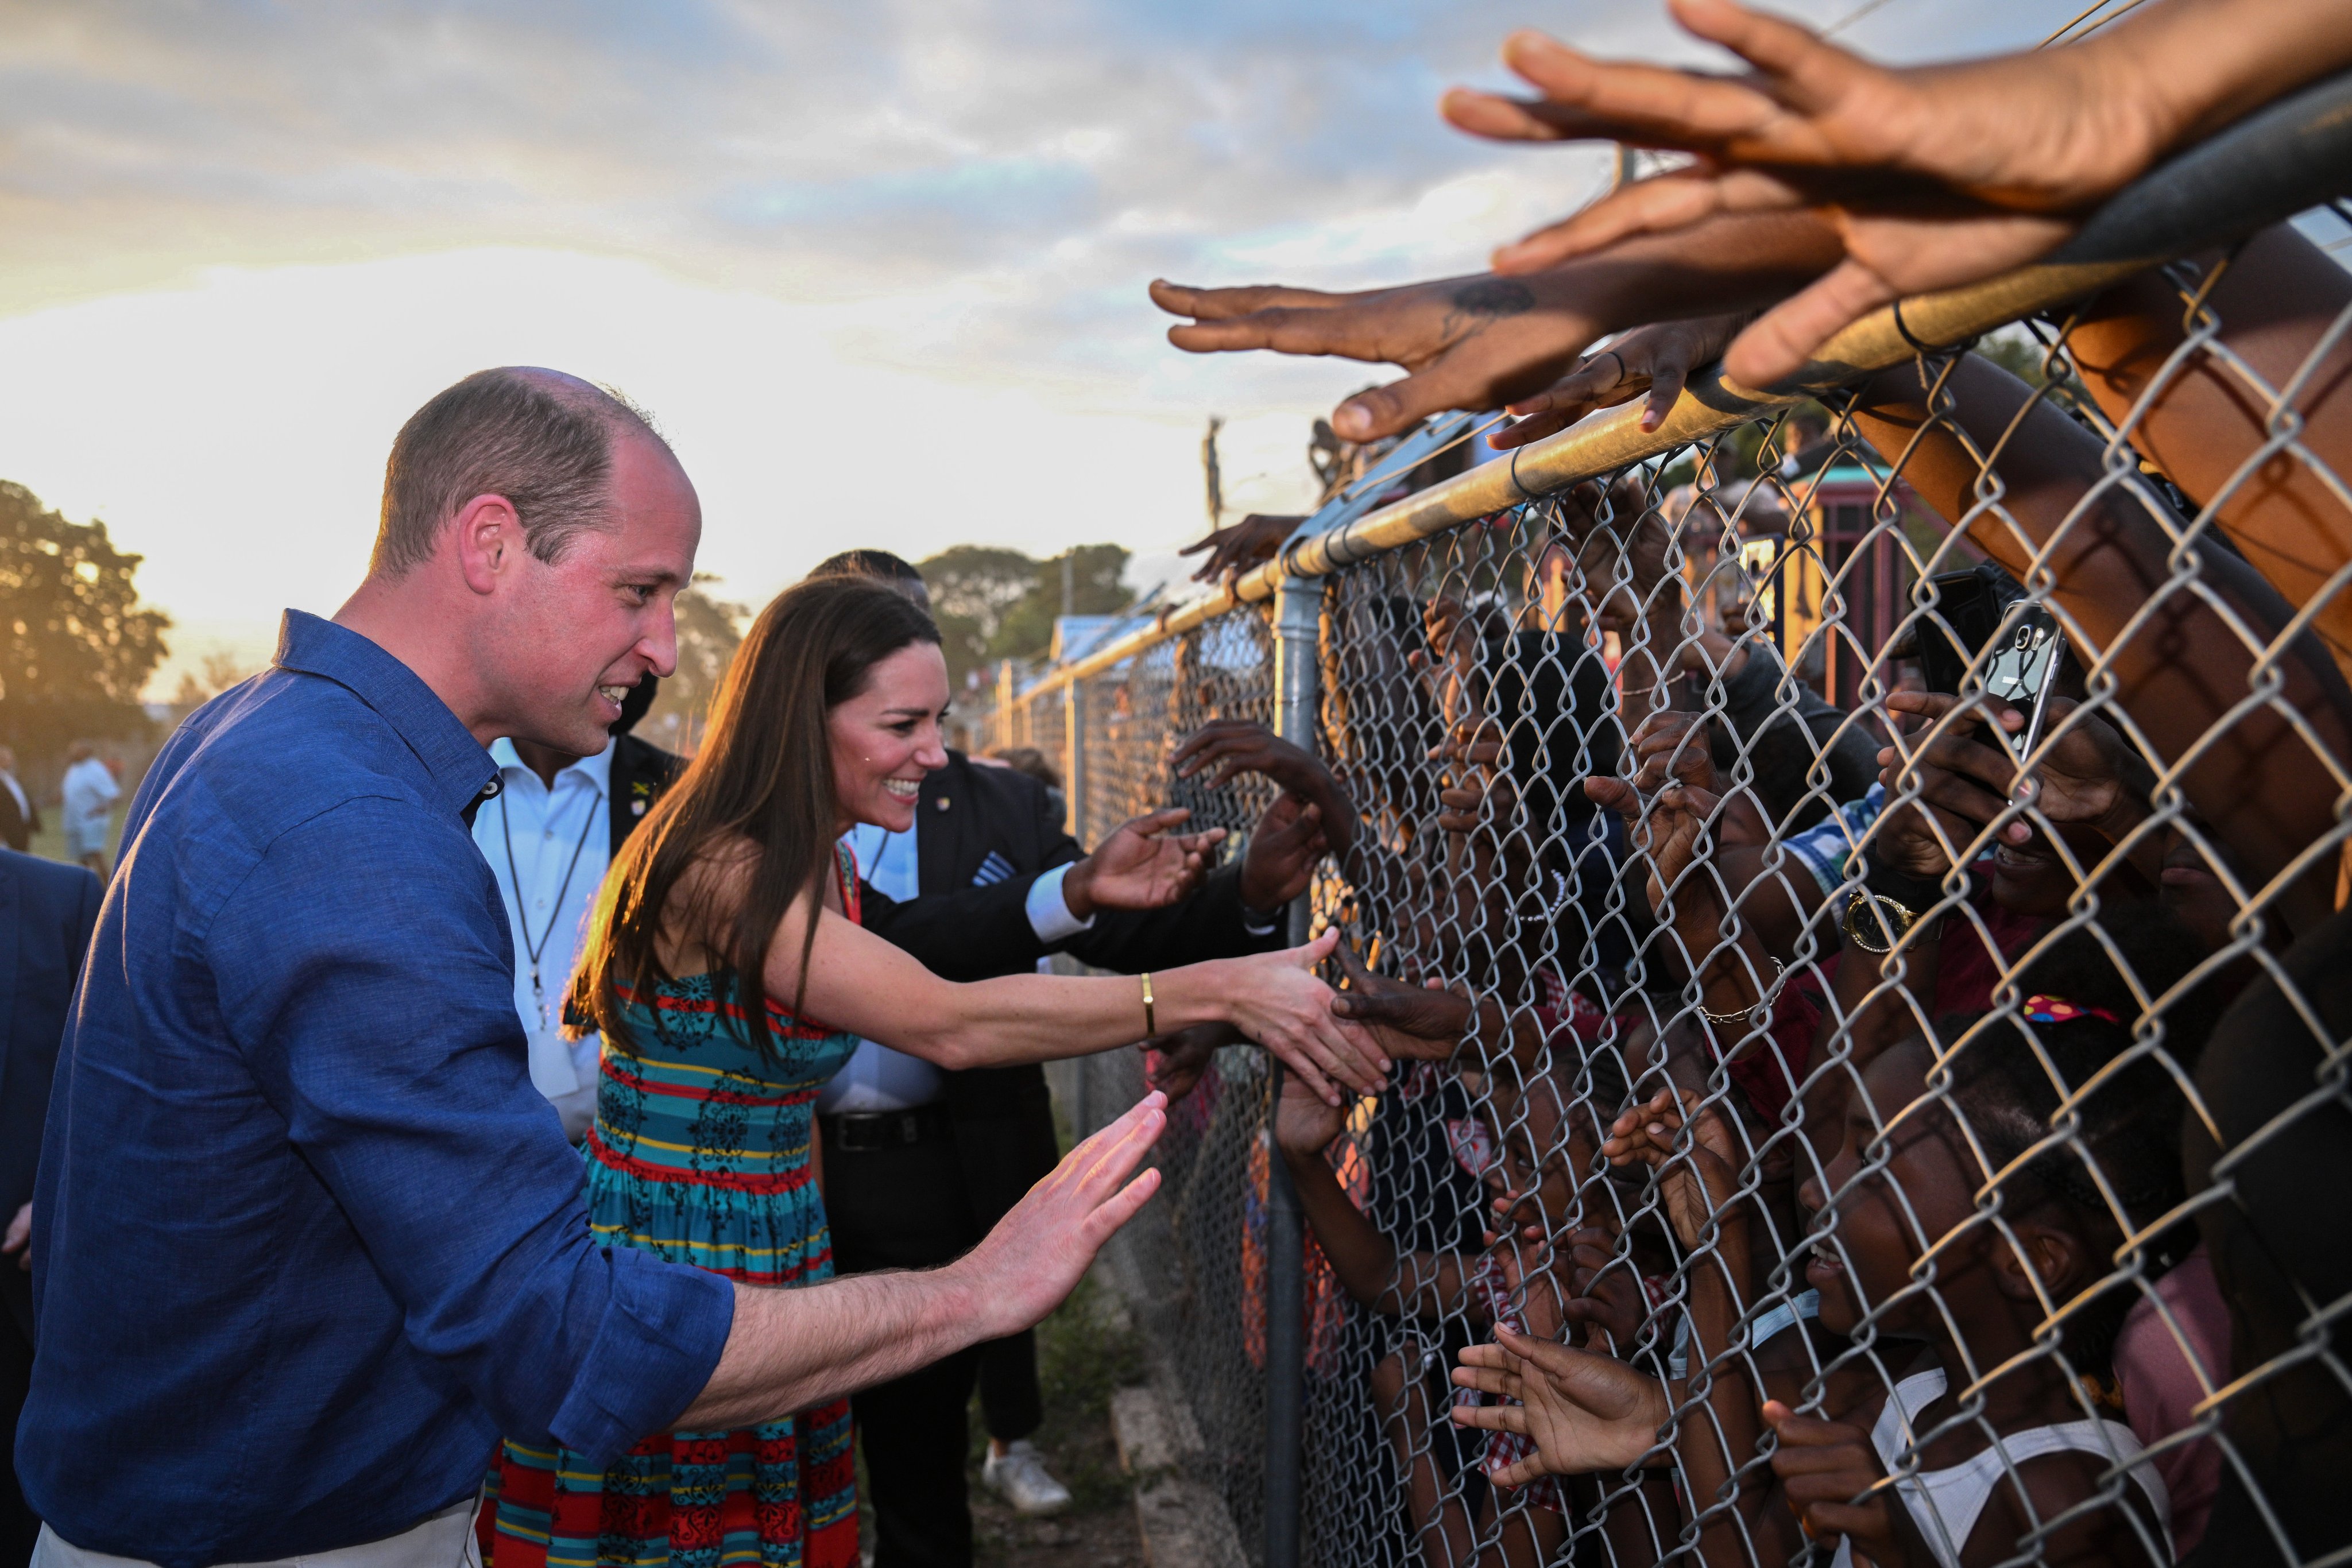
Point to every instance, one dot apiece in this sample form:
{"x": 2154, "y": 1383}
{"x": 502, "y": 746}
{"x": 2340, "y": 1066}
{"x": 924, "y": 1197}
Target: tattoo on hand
{"x": 1494, "y": 297}
{"x": 1475, "y": 307}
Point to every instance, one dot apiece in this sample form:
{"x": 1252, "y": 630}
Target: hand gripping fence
{"x": 1897, "y": 1069}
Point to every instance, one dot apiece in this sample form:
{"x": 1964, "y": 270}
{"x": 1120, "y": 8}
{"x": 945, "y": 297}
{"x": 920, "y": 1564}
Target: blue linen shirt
{"x": 306, "y": 1241}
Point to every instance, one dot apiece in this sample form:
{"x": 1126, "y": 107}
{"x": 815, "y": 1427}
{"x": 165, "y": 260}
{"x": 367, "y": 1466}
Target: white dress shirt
{"x": 24, "y": 806}
{"x": 90, "y": 792}
{"x": 549, "y": 849}
{"x": 878, "y": 1077}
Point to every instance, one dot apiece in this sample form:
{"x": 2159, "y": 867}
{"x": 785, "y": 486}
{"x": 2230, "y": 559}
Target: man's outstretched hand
{"x": 1233, "y": 746}
{"x": 1144, "y": 864}
{"x": 1237, "y": 547}
{"x": 1025, "y": 1267}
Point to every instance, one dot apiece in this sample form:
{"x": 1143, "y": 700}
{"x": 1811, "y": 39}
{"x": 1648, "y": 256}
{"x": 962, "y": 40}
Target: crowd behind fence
{"x": 1840, "y": 819}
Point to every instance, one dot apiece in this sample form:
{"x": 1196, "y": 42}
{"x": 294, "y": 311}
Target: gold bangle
{"x": 1150, "y": 1020}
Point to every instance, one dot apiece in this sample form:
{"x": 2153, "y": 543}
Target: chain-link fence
{"x": 1838, "y": 822}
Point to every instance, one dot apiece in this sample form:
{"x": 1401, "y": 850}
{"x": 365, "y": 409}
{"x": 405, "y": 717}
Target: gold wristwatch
{"x": 1875, "y": 922}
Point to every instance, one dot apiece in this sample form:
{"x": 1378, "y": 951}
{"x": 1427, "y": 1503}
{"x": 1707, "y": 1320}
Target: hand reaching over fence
{"x": 1237, "y": 547}
{"x": 1984, "y": 1144}
{"x": 1933, "y": 176}
{"x": 1658, "y": 359}
{"x": 1479, "y": 342}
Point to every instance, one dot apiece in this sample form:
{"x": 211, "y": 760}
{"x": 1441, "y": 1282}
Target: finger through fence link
{"x": 1884, "y": 1091}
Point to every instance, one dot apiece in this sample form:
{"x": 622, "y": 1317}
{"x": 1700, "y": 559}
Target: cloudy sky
{"x": 877, "y": 269}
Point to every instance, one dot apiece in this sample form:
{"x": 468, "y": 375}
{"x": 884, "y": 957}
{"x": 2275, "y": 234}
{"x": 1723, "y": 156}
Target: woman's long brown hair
{"x": 762, "y": 779}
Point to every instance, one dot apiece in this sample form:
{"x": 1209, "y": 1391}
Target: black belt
{"x": 863, "y": 1132}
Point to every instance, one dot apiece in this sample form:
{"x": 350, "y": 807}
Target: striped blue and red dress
{"x": 699, "y": 1154}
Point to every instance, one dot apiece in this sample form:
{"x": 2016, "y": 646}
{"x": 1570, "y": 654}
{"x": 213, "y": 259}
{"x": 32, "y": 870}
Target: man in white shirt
{"x": 90, "y": 792}
{"x": 542, "y": 838}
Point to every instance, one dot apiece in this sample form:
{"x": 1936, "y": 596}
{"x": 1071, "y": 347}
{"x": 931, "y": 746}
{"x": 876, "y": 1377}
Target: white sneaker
{"x": 1020, "y": 1476}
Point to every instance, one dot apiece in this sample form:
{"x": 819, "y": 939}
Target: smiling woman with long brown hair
{"x": 726, "y": 928}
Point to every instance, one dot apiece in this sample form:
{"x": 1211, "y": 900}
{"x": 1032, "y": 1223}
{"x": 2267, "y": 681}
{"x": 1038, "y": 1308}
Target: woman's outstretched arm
{"x": 858, "y": 982}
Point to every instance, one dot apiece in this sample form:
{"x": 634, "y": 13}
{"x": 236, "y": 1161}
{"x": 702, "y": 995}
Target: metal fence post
{"x": 1299, "y": 607}
{"x": 1074, "y": 760}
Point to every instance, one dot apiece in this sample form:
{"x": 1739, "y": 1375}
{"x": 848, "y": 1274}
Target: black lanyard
{"x": 522, "y": 916}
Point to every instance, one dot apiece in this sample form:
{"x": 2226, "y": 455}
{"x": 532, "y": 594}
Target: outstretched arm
{"x": 2275, "y": 301}
{"x": 2182, "y": 672}
{"x": 1479, "y": 342}
{"x": 1933, "y": 176}
{"x": 791, "y": 1349}
{"x": 857, "y": 982}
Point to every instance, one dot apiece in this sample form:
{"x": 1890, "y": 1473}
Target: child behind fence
{"x": 1992, "y": 1422}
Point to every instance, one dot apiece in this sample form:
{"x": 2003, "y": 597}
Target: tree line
{"x": 80, "y": 647}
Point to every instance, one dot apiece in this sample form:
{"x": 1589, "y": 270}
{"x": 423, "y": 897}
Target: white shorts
{"x": 443, "y": 1541}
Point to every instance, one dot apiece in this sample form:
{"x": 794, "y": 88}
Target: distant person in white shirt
{"x": 549, "y": 834}
{"x": 90, "y": 791}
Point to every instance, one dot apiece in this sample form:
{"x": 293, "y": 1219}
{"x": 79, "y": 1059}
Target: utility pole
{"x": 1209, "y": 470}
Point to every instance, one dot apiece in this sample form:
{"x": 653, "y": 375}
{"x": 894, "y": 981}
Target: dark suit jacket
{"x": 965, "y": 931}
{"x": 18, "y": 827}
{"x": 1003, "y": 1116}
{"x": 641, "y": 772}
{"x": 48, "y": 910}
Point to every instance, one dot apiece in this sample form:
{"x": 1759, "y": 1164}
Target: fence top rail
{"x": 2291, "y": 156}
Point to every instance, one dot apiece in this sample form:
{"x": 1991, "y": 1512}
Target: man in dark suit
{"x": 47, "y": 913}
{"x": 918, "y": 1163}
{"x": 20, "y": 818}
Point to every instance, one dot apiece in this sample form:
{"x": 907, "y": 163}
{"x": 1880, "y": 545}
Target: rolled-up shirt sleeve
{"x": 401, "y": 1071}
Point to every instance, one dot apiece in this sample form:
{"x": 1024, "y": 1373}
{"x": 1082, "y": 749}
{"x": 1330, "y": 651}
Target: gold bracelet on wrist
{"x": 1150, "y": 1020}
